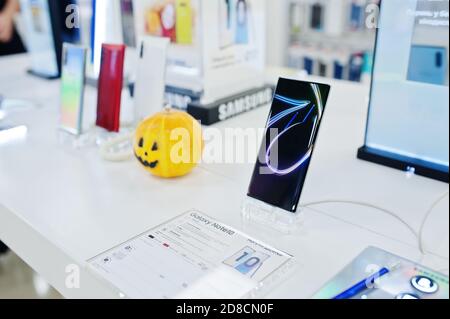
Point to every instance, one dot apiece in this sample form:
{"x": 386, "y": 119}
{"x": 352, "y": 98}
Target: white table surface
{"x": 60, "y": 206}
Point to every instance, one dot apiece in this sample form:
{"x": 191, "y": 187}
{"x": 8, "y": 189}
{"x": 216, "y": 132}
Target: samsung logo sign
{"x": 245, "y": 103}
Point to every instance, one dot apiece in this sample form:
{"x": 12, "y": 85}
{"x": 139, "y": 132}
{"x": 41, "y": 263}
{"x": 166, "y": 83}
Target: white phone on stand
{"x": 149, "y": 86}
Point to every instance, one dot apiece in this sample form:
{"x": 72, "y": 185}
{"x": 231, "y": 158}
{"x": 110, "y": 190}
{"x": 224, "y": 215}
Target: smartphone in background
{"x": 242, "y": 22}
{"x": 168, "y": 22}
{"x": 356, "y": 15}
{"x": 110, "y": 84}
{"x": 149, "y": 86}
{"x": 308, "y": 64}
{"x": 37, "y": 20}
{"x": 128, "y": 26}
{"x": 323, "y": 69}
{"x": 428, "y": 64}
{"x": 317, "y": 16}
{"x": 296, "y": 18}
{"x": 355, "y": 66}
{"x": 42, "y": 26}
{"x": 338, "y": 70}
{"x": 294, "y": 121}
{"x": 72, "y": 88}
{"x": 225, "y": 23}
{"x": 184, "y": 21}
{"x": 153, "y": 23}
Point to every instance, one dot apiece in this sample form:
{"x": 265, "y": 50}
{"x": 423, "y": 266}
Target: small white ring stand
{"x": 108, "y": 147}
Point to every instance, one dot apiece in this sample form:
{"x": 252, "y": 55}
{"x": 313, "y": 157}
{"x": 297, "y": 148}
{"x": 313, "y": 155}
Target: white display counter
{"x": 60, "y": 206}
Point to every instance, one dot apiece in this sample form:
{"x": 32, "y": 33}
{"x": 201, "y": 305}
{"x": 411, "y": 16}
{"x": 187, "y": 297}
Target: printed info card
{"x": 192, "y": 256}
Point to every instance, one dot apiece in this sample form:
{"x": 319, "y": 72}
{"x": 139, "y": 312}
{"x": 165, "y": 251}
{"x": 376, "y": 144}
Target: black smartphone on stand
{"x": 294, "y": 121}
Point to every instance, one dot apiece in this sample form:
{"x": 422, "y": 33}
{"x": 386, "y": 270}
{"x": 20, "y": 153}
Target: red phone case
{"x": 110, "y": 84}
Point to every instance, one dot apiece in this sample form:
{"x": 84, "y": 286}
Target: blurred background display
{"x": 409, "y": 113}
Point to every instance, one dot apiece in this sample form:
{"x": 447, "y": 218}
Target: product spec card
{"x": 192, "y": 256}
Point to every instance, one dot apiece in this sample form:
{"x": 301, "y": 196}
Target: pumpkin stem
{"x": 167, "y": 107}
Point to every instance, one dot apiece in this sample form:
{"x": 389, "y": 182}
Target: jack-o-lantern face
{"x": 145, "y": 156}
{"x": 154, "y": 145}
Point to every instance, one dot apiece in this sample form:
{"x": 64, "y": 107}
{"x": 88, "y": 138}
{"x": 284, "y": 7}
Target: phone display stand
{"x": 255, "y": 211}
{"x": 76, "y": 141}
{"x": 42, "y": 75}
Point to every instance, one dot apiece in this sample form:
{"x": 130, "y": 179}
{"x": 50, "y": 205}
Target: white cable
{"x": 418, "y": 235}
{"x": 388, "y": 212}
{"x": 425, "y": 219}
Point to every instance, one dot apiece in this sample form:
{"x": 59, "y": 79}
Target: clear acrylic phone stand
{"x": 254, "y": 211}
{"x": 112, "y": 146}
{"x": 76, "y": 141}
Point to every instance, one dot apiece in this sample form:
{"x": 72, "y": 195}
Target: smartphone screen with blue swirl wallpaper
{"x": 294, "y": 121}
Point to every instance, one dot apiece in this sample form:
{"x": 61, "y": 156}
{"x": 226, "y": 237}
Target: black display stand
{"x": 404, "y": 163}
{"x": 218, "y": 111}
{"x": 42, "y": 76}
{"x": 231, "y": 106}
